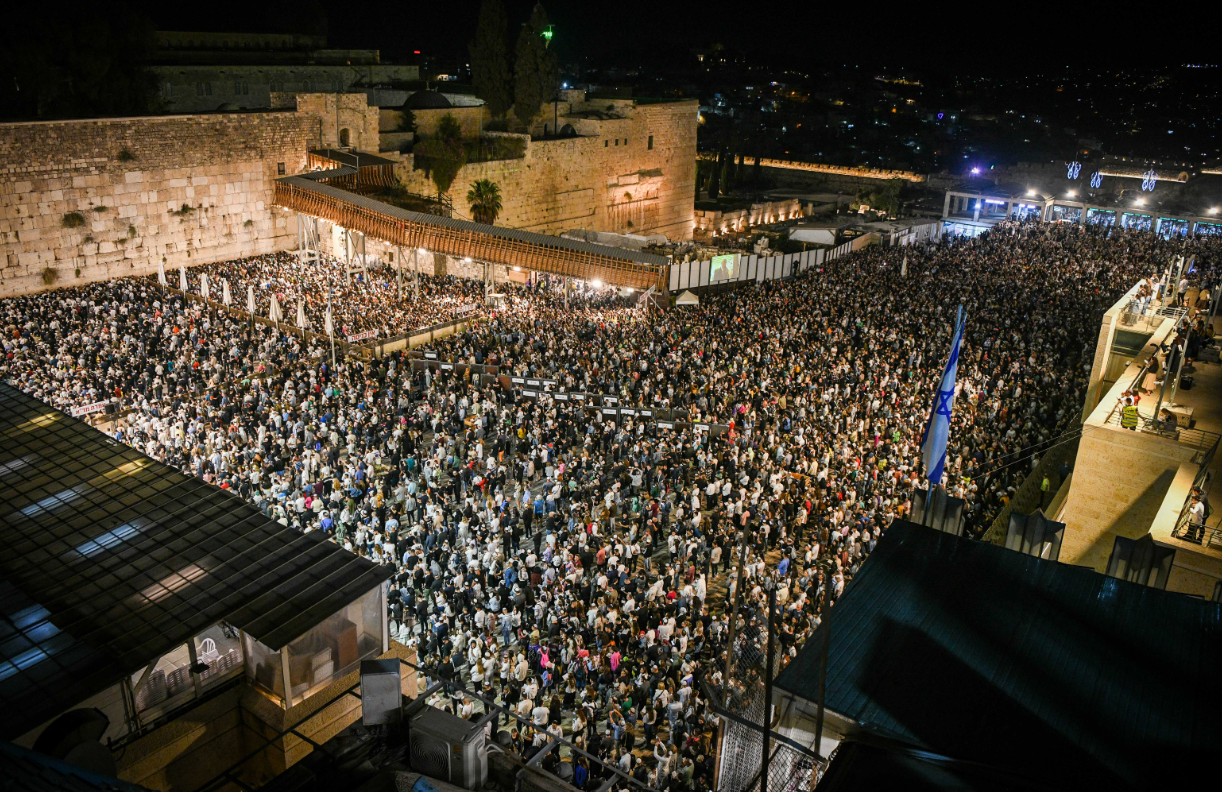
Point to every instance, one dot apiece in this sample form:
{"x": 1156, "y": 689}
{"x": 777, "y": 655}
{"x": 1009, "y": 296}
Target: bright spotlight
{"x": 1071, "y": 193}
{"x": 1030, "y": 193}
{"x": 1140, "y": 202}
{"x": 597, "y": 284}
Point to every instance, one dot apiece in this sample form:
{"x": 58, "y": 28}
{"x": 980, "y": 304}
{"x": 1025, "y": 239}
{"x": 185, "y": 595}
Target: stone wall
{"x": 842, "y": 170}
{"x": 92, "y": 200}
{"x": 634, "y": 174}
{"x": 328, "y": 125}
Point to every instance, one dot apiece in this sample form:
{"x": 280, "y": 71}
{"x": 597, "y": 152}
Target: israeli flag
{"x": 937, "y": 431}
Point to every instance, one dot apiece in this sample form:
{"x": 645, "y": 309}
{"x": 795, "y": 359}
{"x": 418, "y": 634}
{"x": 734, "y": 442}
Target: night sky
{"x": 959, "y": 37}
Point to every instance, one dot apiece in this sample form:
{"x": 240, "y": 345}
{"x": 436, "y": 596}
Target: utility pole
{"x": 738, "y": 598}
{"x": 770, "y": 585}
{"x": 827, "y": 632}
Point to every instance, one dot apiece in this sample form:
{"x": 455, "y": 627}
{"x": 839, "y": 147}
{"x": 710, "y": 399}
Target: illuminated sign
{"x": 1148, "y": 180}
{"x": 1096, "y": 180}
{"x": 1073, "y": 169}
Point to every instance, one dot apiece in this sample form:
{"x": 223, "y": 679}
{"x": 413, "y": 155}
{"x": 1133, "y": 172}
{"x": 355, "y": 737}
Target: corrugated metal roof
{"x": 980, "y": 653}
{"x": 23, "y": 770}
{"x": 559, "y": 243}
{"x": 111, "y": 559}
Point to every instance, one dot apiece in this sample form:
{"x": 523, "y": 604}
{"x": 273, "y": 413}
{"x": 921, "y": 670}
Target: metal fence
{"x": 740, "y": 704}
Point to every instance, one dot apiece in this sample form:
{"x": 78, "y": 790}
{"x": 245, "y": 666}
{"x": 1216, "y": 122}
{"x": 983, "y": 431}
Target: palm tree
{"x": 485, "y": 199}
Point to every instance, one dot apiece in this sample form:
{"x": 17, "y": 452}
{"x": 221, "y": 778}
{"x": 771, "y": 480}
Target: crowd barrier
{"x": 699, "y": 274}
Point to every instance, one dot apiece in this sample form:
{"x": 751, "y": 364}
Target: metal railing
{"x": 1205, "y": 443}
{"x": 232, "y": 775}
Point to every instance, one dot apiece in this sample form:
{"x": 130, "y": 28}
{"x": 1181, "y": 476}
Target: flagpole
{"x": 331, "y": 330}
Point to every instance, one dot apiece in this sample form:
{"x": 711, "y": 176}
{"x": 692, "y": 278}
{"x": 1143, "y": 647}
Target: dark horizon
{"x": 955, "y": 37}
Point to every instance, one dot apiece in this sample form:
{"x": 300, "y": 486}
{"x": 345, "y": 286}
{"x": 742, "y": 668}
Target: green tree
{"x": 535, "y": 71}
{"x": 490, "y": 59}
{"x": 485, "y": 199}
{"x": 885, "y": 200}
{"x": 443, "y": 154}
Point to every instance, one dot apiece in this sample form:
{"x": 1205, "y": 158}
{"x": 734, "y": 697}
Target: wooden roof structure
{"x": 465, "y": 239}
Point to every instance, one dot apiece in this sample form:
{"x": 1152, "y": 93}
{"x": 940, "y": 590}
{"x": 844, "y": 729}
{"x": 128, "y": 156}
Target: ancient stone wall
{"x": 354, "y": 124}
{"x": 97, "y": 199}
{"x": 627, "y": 175}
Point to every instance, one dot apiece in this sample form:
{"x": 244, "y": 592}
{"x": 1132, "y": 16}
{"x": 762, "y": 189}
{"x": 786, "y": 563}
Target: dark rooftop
{"x": 113, "y": 559}
{"x": 23, "y": 770}
{"x": 982, "y": 654}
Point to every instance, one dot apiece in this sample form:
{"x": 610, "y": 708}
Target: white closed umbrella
{"x": 225, "y": 298}
{"x": 161, "y": 274}
{"x": 250, "y": 299}
{"x": 275, "y": 314}
{"x": 182, "y": 279}
{"x": 327, "y": 322}
{"x": 301, "y": 317}
{"x": 203, "y": 286}
{"x": 904, "y": 268}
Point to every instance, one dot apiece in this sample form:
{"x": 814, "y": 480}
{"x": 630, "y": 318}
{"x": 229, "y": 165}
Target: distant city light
{"x": 975, "y": 171}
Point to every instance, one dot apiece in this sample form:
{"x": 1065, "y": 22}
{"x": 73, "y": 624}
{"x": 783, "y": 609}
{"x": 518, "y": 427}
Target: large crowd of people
{"x": 576, "y": 570}
{"x": 370, "y": 300}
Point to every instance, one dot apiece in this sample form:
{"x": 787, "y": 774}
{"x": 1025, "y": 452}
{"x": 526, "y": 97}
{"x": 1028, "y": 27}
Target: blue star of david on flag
{"x": 937, "y": 431}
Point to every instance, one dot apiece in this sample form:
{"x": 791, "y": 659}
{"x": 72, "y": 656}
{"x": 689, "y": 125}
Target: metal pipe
{"x": 738, "y": 598}
{"x": 770, "y": 585}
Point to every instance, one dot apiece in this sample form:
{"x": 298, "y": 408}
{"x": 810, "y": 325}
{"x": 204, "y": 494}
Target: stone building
{"x": 617, "y": 165}
{"x": 91, "y": 200}
{"x": 203, "y": 72}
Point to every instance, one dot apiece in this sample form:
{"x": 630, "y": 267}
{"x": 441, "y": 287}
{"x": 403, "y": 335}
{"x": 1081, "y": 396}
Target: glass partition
{"x": 168, "y": 684}
{"x": 1136, "y": 222}
{"x": 1100, "y": 217}
{"x": 218, "y": 650}
{"x": 336, "y": 647}
{"x": 264, "y": 669}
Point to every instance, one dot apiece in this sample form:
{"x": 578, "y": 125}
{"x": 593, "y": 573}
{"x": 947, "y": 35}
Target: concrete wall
{"x": 609, "y": 181}
{"x": 128, "y": 178}
{"x": 1120, "y": 480}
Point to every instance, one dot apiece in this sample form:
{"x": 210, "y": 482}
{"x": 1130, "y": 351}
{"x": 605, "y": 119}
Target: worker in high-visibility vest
{"x": 1128, "y": 414}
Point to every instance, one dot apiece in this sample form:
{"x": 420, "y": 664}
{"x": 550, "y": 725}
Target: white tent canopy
{"x": 687, "y": 298}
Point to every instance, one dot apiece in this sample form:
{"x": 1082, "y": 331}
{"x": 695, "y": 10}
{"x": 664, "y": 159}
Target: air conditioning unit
{"x": 446, "y": 747}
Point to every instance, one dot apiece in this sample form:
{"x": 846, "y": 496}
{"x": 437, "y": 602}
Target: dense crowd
{"x": 578, "y": 570}
{"x": 370, "y": 300}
